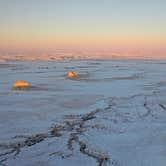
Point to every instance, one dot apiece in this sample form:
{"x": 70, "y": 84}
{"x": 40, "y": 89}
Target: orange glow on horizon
{"x": 95, "y": 41}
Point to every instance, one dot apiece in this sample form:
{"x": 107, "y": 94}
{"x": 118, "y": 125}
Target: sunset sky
{"x": 83, "y": 24}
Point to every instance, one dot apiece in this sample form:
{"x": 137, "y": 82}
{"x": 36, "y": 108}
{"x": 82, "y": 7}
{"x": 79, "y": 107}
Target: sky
{"x": 83, "y": 24}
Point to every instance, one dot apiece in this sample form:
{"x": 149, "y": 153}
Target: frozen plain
{"x": 114, "y": 114}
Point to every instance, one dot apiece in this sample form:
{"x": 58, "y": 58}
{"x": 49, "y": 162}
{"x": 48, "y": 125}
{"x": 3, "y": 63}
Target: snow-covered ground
{"x": 113, "y": 114}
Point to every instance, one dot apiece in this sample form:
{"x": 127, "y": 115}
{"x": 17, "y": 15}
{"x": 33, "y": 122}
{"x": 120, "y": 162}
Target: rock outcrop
{"x": 21, "y": 85}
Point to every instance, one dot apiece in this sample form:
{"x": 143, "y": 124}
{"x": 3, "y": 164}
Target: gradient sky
{"x": 83, "y": 24}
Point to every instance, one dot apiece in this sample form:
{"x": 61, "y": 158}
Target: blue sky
{"x": 82, "y": 23}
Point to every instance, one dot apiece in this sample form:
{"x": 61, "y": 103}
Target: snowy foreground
{"x": 113, "y": 114}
